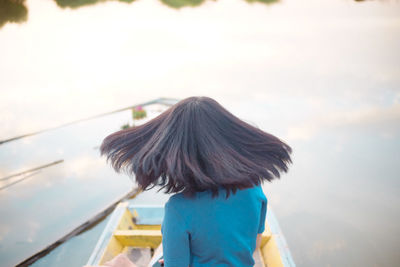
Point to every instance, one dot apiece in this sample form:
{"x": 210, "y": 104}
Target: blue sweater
{"x": 206, "y": 231}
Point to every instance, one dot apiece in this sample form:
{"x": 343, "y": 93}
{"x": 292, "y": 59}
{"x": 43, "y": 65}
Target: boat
{"x": 136, "y": 231}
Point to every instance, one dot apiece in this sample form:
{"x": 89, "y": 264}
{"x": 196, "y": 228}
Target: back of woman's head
{"x": 197, "y": 145}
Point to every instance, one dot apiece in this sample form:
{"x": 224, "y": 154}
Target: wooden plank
{"x": 148, "y": 214}
{"x": 139, "y": 238}
{"x": 161, "y": 100}
{"x": 126, "y": 221}
{"x": 269, "y": 249}
{"x": 147, "y": 227}
{"x": 266, "y": 235}
{"x": 106, "y": 236}
{"x": 114, "y": 247}
{"x": 271, "y": 254}
{"x": 280, "y": 241}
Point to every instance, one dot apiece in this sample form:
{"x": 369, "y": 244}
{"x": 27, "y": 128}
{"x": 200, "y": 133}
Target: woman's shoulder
{"x": 176, "y": 198}
{"x": 260, "y": 192}
{"x": 255, "y": 192}
{"x": 180, "y": 200}
{"x": 176, "y": 201}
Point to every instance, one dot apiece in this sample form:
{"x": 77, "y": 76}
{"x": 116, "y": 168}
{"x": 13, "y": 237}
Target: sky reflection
{"x": 62, "y": 196}
{"x": 322, "y": 75}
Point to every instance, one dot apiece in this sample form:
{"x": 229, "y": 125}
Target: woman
{"x": 214, "y": 163}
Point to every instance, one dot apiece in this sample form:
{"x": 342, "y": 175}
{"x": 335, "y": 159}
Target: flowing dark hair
{"x": 197, "y": 145}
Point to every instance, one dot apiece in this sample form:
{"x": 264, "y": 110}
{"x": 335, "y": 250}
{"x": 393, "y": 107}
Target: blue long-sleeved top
{"x": 206, "y": 231}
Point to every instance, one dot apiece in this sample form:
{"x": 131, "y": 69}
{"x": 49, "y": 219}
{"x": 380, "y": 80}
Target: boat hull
{"x": 136, "y": 231}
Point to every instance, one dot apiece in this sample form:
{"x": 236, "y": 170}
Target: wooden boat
{"x": 136, "y": 231}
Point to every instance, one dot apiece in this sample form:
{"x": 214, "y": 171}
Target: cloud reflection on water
{"x": 62, "y": 196}
{"x": 381, "y": 120}
{"x": 322, "y": 75}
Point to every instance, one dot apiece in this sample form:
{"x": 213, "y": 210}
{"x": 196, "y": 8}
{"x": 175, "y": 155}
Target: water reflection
{"x": 12, "y": 11}
{"x": 81, "y": 3}
{"x": 194, "y": 3}
{"x": 182, "y": 3}
{"x": 169, "y": 3}
{"x": 63, "y": 195}
{"x": 263, "y": 1}
{"x": 323, "y": 75}
{"x": 68, "y": 254}
{"x": 15, "y": 11}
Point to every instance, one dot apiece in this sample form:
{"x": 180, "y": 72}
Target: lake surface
{"x": 322, "y": 75}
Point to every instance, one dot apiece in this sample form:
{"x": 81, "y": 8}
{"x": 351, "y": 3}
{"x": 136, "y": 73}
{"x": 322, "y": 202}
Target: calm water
{"x": 322, "y": 75}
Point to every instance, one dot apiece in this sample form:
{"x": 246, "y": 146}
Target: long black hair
{"x": 197, "y": 145}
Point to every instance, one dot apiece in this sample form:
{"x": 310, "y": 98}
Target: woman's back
{"x": 195, "y": 147}
{"x": 207, "y": 231}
